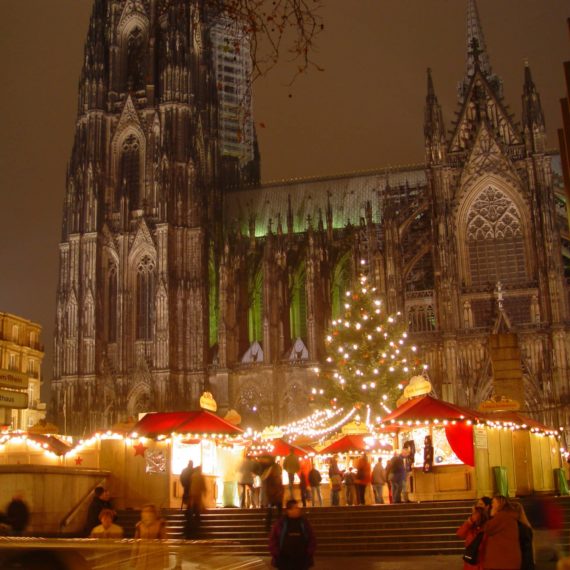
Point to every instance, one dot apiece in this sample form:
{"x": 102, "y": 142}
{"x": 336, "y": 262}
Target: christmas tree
{"x": 370, "y": 358}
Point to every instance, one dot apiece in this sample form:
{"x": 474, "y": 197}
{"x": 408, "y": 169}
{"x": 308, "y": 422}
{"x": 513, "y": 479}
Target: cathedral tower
{"x": 141, "y": 218}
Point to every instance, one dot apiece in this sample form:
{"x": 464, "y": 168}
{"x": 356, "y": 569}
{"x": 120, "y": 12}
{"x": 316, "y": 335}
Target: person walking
{"x": 303, "y": 486}
{"x": 472, "y": 530}
{"x": 502, "y": 548}
{"x": 18, "y": 514}
{"x": 378, "y": 482}
{"x": 101, "y": 500}
{"x": 350, "y": 488}
{"x": 397, "y": 476}
{"x": 148, "y": 555}
{"x": 315, "y": 479}
{"x": 292, "y": 465}
{"x": 245, "y": 482}
{"x": 107, "y": 528}
{"x": 185, "y": 478}
{"x": 335, "y": 478}
{"x": 273, "y": 479}
{"x": 198, "y": 491}
{"x": 292, "y": 542}
{"x": 363, "y": 478}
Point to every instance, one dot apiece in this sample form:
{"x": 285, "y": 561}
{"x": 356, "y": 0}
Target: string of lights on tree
{"x": 370, "y": 358}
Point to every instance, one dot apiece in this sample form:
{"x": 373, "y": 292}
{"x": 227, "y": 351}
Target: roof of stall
{"x": 198, "y": 422}
{"x": 427, "y": 408}
{"x": 277, "y": 448}
{"x": 351, "y": 443}
{"x": 51, "y": 443}
{"x": 517, "y": 419}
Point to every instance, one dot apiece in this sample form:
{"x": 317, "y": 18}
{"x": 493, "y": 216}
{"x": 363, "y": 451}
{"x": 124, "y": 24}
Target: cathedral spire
{"x": 477, "y": 54}
{"x": 532, "y": 115}
{"x": 434, "y": 129}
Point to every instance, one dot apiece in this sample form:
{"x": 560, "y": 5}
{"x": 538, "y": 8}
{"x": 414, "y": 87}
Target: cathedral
{"x": 181, "y": 273}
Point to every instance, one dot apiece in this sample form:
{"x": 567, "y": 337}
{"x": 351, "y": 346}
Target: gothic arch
{"x": 492, "y": 207}
{"x": 294, "y": 401}
{"x": 132, "y": 32}
{"x": 128, "y": 163}
{"x": 424, "y": 250}
{"x": 138, "y": 398}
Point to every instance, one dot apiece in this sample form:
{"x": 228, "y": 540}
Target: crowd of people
{"x": 258, "y": 478}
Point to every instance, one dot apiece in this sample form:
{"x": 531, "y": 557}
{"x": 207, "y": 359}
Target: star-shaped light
{"x": 139, "y": 449}
{"x": 78, "y": 460}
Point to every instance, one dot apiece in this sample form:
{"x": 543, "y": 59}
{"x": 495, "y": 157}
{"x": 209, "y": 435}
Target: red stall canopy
{"x": 351, "y": 444}
{"x": 426, "y": 408}
{"x": 198, "y": 422}
{"x": 277, "y": 447}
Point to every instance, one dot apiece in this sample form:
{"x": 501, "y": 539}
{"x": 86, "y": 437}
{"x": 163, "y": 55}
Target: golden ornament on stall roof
{"x": 207, "y": 402}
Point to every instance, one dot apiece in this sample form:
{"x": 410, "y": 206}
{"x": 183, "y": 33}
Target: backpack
{"x": 293, "y": 545}
{"x": 471, "y": 552}
{"x": 314, "y": 477}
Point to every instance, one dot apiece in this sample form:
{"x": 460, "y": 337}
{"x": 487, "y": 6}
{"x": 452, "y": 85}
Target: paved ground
{"x": 389, "y": 563}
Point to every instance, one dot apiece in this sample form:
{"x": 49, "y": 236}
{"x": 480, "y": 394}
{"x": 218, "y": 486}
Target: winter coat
{"x": 363, "y": 472}
{"x": 468, "y": 531}
{"x": 245, "y": 472}
{"x": 314, "y": 477}
{"x": 18, "y": 515}
{"x": 396, "y": 469}
{"x": 378, "y": 474}
{"x": 291, "y": 464}
{"x": 274, "y": 485}
{"x": 502, "y": 549}
{"x": 95, "y": 508}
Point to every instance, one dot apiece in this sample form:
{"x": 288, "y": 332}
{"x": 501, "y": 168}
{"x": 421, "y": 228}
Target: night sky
{"x": 364, "y": 111}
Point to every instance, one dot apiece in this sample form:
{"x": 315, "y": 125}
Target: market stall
{"x": 441, "y": 434}
{"x": 462, "y": 454}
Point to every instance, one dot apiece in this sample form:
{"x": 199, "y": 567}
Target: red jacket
{"x": 363, "y": 472}
{"x": 468, "y": 531}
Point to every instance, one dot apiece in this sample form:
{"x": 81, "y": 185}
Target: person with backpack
{"x": 315, "y": 479}
{"x": 292, "y": 542}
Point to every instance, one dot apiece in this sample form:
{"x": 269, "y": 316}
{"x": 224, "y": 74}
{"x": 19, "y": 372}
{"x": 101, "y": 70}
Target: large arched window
{"x": 112, "y": 292}
{"x": 341, "y": 280}
{"x": 135, "y": 60}
{"x": 255, "y": 309}
{"x": 495, "y": 241}
{"x": 299, "y": 304}
{"x": 145, "y": 298}
{"x": 129, "y": 170}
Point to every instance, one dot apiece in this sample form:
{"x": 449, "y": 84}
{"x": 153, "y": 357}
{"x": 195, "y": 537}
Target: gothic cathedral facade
{"x": 180, "y": 272}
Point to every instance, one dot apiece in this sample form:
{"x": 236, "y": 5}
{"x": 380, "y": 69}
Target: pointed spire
{"x": 532, "y": 115}
{"x": 477, "y": 55}
{"x": 434, "y": 129}
{"x": 476, "y": 46}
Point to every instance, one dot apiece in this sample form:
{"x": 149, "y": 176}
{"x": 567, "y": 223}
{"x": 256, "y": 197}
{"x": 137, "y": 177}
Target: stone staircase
{"x": 387, "y": 530}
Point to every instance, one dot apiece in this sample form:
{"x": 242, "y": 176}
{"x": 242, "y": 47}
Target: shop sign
{"x": 418, "y": 386}
{"x": 480, "y": 437}
{"x": 13, "y": 379}
{"x": 10, "y": 399}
